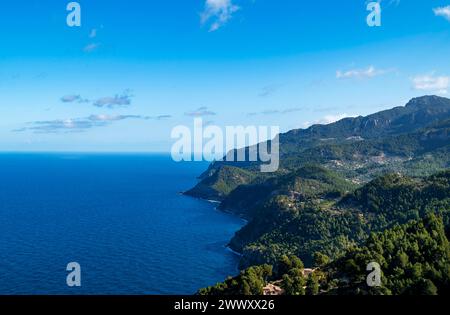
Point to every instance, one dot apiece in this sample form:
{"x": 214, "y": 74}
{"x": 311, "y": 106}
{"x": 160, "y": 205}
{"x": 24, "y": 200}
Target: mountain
{"x": 301, "y": 184}
{"x": 418, "y": 113}
{"x": 302, "y": 227}
{"x": 401, "y": 223}
{"x": 337, "y": 185}
{"x": 413, "y": 139}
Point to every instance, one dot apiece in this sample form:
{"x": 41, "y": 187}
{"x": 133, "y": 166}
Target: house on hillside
{"x": 273, "y": 289}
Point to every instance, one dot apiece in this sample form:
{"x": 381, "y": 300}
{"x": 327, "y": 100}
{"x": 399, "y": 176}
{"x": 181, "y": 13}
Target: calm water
{"x": 119, "y": 216}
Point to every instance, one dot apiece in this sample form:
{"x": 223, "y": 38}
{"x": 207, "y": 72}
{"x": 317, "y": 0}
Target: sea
{"x": 120, "y": 217}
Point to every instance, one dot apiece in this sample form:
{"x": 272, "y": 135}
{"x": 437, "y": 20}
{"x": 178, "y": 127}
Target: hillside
{"x": 414, "y": 259}
{"x": 287, "y": 225}
{"x": 329, "y": 196}
{"x": 413, "y": 140}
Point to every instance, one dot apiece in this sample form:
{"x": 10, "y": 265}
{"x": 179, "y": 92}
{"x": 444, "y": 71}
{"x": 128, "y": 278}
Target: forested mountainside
{"x": 413, "y": 140}
{"x": 340, "y": 189}
{"x": 402, "y": 224}
{"x": 414, "y": 258}
{"x": 304, "y": 225}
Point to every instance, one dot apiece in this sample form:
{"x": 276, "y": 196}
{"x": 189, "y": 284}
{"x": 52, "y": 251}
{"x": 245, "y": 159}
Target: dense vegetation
{"x": 330, "y": 224}
{"x": 414, "y": 259}
{"x": 250, "y": 282}
{"x": 367, "y": 188}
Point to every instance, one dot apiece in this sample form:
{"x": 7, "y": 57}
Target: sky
{"x": 136, "y": 69}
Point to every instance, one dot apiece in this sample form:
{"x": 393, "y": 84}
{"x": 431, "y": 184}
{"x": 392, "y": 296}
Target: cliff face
{"x": 217, "y": 183}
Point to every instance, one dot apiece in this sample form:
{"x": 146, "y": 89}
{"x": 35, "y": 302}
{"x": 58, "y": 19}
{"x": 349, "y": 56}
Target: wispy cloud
{"x": 41, "y": 75}
{"x": 443, "y": 11}
{"x": 276, "y": 111}
{"x": 91, "y": 47}
{"x": 219, "y": 12}
{"x": 81, "y": 124}
{"x": 368, "y": 73}
{"x": 93, "y": 33}
{"x": 394, "y": 2}
{"x": 431, "y": 83}
{"x": 115, "y": 101}
{"x": 73, "y": 98}
{"x": 162, "y": 117}
{"x": 329, "y": 119}
{"x": 119, "y": 100}
{"x": 108, "y": 118}
{"x": 269, "y": 90}
{"x": 389, "y": 2}
{"x": 200, "y": 112}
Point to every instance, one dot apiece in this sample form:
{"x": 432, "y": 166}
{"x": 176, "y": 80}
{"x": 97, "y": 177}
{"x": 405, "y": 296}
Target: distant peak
{"x": 427, "y": 100}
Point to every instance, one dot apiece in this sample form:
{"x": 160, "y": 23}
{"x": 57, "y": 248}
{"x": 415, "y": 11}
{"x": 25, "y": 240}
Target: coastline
{"x": 217, "y": 202}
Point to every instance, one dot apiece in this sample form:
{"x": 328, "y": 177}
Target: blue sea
{"x": 121, "y": 217}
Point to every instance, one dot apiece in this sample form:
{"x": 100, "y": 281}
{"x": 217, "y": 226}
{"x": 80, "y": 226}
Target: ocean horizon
{"x": 122, "y": 217}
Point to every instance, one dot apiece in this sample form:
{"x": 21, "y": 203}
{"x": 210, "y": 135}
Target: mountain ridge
{"x": 352, "y": 144}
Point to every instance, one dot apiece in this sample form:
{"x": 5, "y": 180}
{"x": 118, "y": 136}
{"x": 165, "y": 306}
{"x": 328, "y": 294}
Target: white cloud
{"x": 73, "y": 98}
{"x": 93, "y": 33}
{"x": 91, "y": 47}
{"x": 443, "y": 11}
{"x": 115, "y": 101}
{"x": 81, "y": 124}
{"x": 269, "y": 90}
{"x": 329, "y": 119}
{"x": 70, "y": 98}
{"x": 370, "y": 72}
{"x": 200, "y": 112}
{"x": 219, "y": 11}
{"x": 276, "y": 111}
{"x": 391, "y": 2}
{"x": 431, "y": 83}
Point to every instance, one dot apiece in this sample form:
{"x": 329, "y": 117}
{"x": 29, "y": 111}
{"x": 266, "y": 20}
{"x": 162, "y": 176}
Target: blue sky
{"x": 136, "y": 69}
